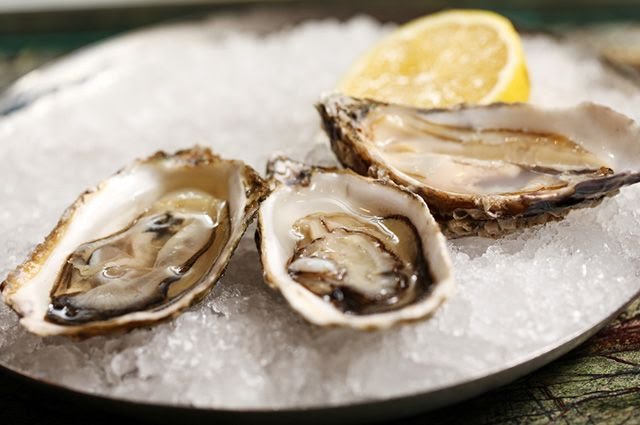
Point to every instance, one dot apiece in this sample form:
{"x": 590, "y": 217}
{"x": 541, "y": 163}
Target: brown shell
{"x": 282, "y": 171}
{"x": 256, "y": 191}
{"x": 343, "y": 119}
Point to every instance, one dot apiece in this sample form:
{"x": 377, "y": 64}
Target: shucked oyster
{"x": 145, "y": 244}
{"x": 488, "y": 170}
{"x": 351, "y": 251}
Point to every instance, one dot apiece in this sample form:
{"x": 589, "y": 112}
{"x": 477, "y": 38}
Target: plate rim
{"x": 374, "y": 408}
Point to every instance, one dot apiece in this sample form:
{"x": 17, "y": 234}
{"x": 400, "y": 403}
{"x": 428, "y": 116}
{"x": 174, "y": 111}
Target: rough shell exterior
{"x": 254, "y": 188}
{"x": 463, "y": 215}
{"x": 291, "y": 177}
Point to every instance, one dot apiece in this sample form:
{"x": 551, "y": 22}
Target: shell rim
{"x": 184, "y": 158}
{"x": 440, "y": 290}
{"x": 352, "y": 135}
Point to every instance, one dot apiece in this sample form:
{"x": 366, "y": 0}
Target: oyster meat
{"x": 348, "y": 250}
{"x": 488, "y": 170}
{"x": 142, "y": 246}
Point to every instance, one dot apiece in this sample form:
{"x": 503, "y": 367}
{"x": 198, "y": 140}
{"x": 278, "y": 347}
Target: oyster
{"x": 348, "y": 250}
{"x": 488, "y": 170}
{"x": 142, "y": 246}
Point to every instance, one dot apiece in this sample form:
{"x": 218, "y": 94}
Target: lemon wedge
{"x": 451, "y": 57}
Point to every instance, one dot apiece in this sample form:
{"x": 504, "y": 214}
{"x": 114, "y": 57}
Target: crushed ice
{"x": 248, "y": 96}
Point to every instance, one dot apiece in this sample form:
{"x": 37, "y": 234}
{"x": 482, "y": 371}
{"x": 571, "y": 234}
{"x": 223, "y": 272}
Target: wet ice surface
{"x": 247, "y": 96}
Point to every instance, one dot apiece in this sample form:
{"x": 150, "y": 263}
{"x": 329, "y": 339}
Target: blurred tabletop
{"x": 599, "y": 382}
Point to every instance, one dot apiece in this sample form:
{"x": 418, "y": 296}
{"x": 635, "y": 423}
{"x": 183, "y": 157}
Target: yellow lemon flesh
{"x": 457, "y": 56}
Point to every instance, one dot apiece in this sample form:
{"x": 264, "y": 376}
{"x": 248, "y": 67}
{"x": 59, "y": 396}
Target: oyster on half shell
{"x": 143, "y": 245}
{"x": 488, "y": 170}
{"x": 348, "y": 250}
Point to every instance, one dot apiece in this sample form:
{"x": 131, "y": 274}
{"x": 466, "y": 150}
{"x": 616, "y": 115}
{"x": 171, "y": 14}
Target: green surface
{"x": 48, "y": 44}
{"x": 598, "y": 383}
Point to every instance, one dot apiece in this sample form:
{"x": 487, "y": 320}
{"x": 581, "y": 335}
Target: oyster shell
{"x": 488, "y": 170}
{"x": 143, "y": 245}
{"x": 348, "y": 250}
